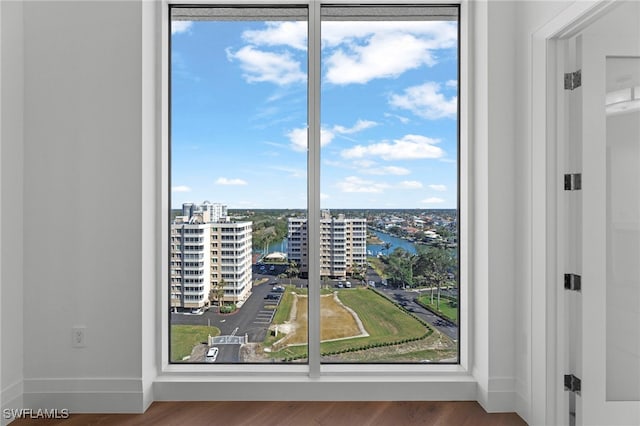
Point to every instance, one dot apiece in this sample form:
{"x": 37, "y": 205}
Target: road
{"x": 251, "y": 321}
{"x": 406, "y": 298}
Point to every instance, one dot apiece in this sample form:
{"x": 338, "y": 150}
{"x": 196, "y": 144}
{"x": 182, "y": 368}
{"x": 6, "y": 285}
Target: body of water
{"x": 374, "y": 249}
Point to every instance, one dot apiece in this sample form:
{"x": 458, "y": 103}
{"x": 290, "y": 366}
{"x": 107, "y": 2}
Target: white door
{"x": 608, "y": 205}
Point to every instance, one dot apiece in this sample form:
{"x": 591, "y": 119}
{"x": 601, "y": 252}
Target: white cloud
{"x": 355, "y": 184}
{"x": 433, "y": 200}
{"x": 384, "y": 171}
{"x": 440, "y": 35}
{"x": 426, "y": 101}
{"x": 440, "y": 188}
{"x": 298, "y": 138}
{"x": 363, "y": 63}
{"x": 178, "y": 27}
{"x": 227, "y": 181}
{"x": 358, "y": 127}
{"x": 400, "y": 118}
{"x": 410, "y": 147}
{"x": 180, "y": 188}
{"x": 452, "y": 83}
{"x": 289, "y": 33}
{"x": 260, "y": 66}
{"x": 360, "y": 51}
{"x": 410, "y": 184}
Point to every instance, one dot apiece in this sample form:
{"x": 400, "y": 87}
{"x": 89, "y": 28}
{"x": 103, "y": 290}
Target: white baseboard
{"x": 500, "y": 397}
{"x": 11, "y": 399}
{"x": 90, "y": 395}
{"x": 176, "y": 389}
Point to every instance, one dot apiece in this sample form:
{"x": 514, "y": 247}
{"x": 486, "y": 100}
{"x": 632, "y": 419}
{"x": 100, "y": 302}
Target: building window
{"x": 355, "y": 133}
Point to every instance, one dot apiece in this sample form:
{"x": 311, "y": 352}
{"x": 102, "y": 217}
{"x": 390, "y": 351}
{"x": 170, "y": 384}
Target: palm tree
{"x": 292, "y": 271}
{"x": 437, "y": 264}
{"x": 387, "y": 246}
{"x": 217, "y": 292}
{"x": 401, "y": 264}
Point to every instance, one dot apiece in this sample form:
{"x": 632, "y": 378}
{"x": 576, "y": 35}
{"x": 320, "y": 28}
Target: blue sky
{"x": 388, "y": 114}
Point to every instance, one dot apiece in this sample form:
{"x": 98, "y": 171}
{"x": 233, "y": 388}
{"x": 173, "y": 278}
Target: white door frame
{"x": 547, "y": 403}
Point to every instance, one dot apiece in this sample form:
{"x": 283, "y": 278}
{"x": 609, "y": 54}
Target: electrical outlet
{"x": 78, "y": 337}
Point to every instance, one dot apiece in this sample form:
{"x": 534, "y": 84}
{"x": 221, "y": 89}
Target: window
{"x": 332, "y": 166}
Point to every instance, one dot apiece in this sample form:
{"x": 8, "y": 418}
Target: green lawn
{"x": 284, "y": 308}
{"x": 185, "y": 337}
{"x": 384, "y": 321}
{"x": 283, "y": 311}
{"x": 447, "y": 309}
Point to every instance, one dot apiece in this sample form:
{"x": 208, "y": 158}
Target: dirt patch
{"x": 337, "y": 322}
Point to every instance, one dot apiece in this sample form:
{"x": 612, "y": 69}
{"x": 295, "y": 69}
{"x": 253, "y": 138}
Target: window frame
{"x": 314, "y": 369}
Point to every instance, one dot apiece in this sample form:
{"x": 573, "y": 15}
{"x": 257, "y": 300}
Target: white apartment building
{"x": 231, "y": 247}
{"x": 343, "y": 244}
{"x": 190, "y": 263}
{"x": 212, "y": 212}
{"x": 208, "y": 253}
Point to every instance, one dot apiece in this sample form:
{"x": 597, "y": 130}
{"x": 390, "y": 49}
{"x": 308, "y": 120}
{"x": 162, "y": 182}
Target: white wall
{"x": 11, "y": 198}
{"x": 83, "y": 204}
{"x": 89, "y": 150}
{"x": 499, "y": 106}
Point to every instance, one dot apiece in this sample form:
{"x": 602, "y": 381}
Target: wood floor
{"x": 296, "y": 414}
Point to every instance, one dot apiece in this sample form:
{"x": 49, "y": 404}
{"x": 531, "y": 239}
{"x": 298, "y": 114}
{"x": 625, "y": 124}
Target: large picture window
{"x": 314, "y": 179}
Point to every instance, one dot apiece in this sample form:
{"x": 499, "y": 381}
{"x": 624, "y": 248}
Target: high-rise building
{"x": 343, "y": 244}
{"x": 190, "y": 263}
{"x": 210, "y": 255}
{"x": 231, "y": 247}
{"x": 215, "y": 211}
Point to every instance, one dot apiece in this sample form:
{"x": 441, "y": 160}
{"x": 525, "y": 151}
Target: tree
{"x": 292, "y": 271}
{"x": 358, "y": 272}
{"x": 435, "y": 264}
{"x": 401, "y": 267}
{"x": 325, "y": 281}
{"x": 217, "y": 292}
{"x": 387, "y": 246}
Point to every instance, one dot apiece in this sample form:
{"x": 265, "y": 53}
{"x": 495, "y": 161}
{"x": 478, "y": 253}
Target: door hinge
{"x": 573, "y": 182}
{"x": 572, "y": 282}
{"x": 572, "y": 80}
{"x": 572, "y": 383}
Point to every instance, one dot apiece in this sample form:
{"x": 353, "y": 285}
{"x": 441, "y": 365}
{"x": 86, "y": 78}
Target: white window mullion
{"x": 313, "y": 169}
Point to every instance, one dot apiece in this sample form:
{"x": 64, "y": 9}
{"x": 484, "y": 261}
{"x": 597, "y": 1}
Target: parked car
{"x": 212, "y": 354}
